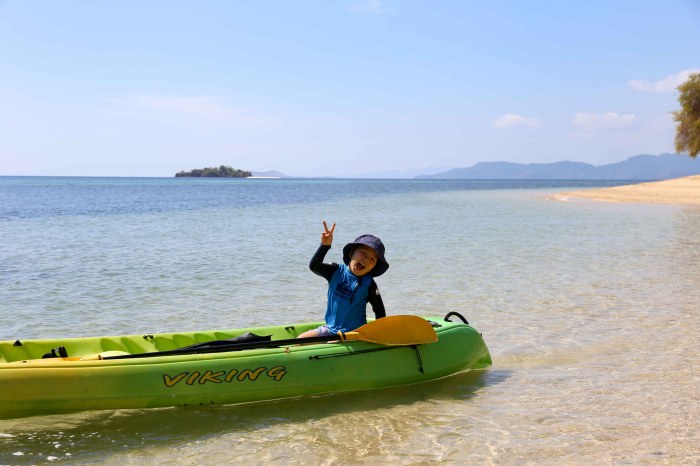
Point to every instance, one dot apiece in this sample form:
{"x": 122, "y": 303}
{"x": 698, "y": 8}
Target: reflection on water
{"x": 89, "y": 436}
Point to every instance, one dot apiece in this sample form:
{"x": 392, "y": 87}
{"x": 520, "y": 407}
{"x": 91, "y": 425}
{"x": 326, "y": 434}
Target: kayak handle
{"x": 453, "y": 313}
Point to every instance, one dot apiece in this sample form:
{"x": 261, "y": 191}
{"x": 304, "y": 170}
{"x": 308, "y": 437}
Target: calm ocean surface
{"x": 591, "y": 312}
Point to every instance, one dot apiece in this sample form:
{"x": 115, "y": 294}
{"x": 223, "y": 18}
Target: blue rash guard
{"x": 348, "y": 294}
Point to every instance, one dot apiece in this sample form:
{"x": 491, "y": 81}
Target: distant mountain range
{"x": 639, "y": 167}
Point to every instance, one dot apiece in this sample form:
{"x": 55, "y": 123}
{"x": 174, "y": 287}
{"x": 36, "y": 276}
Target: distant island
{"x": 639, "y": 167}
{"x": 214, "y": 172}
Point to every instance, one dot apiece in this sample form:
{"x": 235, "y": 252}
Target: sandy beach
{"x": 684, "y": 190}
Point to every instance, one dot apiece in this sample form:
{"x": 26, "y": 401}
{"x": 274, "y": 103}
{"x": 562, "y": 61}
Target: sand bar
{"x": 684, "y": 190}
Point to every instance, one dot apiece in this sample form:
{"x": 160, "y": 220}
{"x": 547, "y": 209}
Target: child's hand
{"x": 327, "y": 235}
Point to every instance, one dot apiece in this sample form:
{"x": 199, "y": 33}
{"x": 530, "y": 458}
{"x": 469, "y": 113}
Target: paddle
{"x": 391, "y": 331}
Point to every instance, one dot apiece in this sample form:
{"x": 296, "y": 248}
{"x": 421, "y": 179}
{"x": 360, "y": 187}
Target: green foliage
{"x": 688, "y": 117}
{"x": 223, "y": 171}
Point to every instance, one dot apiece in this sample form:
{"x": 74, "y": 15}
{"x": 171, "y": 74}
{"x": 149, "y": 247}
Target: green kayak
{"x": 230, "y": 366}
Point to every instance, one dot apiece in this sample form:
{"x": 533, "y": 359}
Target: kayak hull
{"x": 81, "y": 381}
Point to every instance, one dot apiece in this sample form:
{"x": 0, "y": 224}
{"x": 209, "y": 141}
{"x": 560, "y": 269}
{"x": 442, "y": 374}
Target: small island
{"x": 214, "y": 172}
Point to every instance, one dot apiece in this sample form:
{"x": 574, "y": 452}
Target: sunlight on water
{"x": 590, "y": 311}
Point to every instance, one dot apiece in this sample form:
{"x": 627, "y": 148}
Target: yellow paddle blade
{"x": 395, "y": 331}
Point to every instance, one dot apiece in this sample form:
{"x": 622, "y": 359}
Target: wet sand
{"x": 684, "y": 190}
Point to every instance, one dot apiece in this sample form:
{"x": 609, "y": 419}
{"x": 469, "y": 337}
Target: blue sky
{"x": 336, "y": 87}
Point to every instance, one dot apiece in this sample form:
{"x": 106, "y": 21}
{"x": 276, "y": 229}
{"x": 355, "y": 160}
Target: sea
{"x": 591, "y": 312}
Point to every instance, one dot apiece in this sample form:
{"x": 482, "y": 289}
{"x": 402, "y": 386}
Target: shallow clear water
{"x": 590, "y": 311}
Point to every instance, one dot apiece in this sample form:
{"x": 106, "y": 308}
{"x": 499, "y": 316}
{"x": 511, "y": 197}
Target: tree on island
{"x": 688, "y": 117}
{"x": 223, "y": 171}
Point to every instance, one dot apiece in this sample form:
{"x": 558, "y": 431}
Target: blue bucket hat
{"x": 372, "y": 242}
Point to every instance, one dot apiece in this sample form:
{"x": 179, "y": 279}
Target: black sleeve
{"x": 318, "y": 267}
{"x": 375, "y": 299}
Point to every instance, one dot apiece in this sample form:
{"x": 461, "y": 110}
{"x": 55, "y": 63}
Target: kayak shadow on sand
{"x": 98, "y": 434}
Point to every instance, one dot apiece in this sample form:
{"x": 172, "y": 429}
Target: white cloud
{"x": 201, "y": 106}
{"x": 668, "y": 84}
{"x": 589, "y": 123}
{"x": 198, "y": 112}
{"x": 511, "y": 120}
{"x": 375, "y": 7}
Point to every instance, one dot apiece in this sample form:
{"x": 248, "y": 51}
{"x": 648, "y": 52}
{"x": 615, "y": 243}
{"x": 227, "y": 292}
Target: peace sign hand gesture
{"x": 327, "y": 235}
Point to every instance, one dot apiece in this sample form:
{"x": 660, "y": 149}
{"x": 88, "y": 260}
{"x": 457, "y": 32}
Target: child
{"x": 350, "y": 286}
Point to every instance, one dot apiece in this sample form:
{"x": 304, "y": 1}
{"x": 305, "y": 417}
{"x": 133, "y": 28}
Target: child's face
{"x": 363, "y": 260}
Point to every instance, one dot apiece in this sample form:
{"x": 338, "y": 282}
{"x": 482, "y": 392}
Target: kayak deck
{"x": 85, "y": 347}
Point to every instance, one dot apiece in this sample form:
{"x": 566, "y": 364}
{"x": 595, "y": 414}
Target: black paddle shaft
{"x": 232, "y": 347}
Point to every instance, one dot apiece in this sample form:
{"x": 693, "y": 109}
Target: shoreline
{"x": 682, "y": 191}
